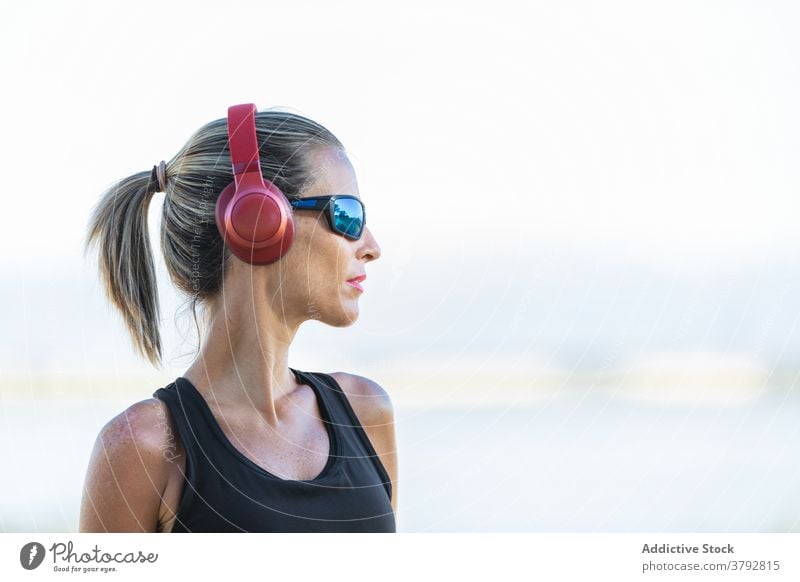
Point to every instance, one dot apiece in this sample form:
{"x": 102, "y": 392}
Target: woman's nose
{"x": 369, "y": 249}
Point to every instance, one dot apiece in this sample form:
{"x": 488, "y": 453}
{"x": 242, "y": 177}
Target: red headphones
{"x": 254, "y": 217}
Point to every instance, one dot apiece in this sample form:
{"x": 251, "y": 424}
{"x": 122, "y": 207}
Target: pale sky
{"x": 568, "y": 162}
{"x": 667, "y": 127}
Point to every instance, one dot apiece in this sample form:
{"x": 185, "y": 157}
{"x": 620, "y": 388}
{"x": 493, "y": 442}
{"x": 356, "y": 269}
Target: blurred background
{"x": 587, "y": 302}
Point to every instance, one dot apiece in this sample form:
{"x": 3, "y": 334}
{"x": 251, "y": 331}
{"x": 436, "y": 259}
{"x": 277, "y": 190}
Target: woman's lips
{"x": 354, "y": 282}
{"x": 356, "y": 285}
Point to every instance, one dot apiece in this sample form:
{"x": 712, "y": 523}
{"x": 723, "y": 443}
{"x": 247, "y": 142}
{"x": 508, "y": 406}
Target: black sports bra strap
{"x": 349, "y": 421}
{"x": 181, "y": 406}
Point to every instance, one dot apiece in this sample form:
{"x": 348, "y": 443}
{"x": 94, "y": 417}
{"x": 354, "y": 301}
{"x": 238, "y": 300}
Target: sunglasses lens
{"x": 348, "y": 217}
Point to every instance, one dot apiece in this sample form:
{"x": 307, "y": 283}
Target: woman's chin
{"x": 345, "y": 316}
{"x": 349, "y": 314}
{"x": 352, "y": 317}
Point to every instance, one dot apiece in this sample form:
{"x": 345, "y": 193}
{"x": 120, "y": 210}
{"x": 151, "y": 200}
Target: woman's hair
{"x": 195, "y": 255}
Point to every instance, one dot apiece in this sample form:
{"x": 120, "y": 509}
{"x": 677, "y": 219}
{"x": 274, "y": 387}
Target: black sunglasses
{"x": 345, "y": 213}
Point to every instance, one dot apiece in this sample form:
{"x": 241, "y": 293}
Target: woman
{"x": 241, "y": 441}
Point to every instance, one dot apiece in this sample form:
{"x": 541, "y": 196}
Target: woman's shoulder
{"x": 131, "y": 466}
{"x": 371, "y": 402}
{"x": 144, "y": 430}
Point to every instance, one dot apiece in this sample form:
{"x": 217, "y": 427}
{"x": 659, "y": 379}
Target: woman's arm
{"x": 127, "y": 472}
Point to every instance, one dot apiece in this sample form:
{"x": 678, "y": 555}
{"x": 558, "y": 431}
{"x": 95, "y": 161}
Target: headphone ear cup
{"x": 253, "y": 216}
{"x": 257, "y": 225}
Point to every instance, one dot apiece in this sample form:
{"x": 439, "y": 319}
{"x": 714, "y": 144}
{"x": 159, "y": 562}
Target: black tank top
{"x": 225, "y": 491}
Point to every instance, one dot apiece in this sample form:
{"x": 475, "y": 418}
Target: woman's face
{"x": 316, "y": 268}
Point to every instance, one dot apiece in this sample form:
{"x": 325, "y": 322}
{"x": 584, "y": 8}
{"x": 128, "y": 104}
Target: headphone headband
{"x": 242, "y": 139}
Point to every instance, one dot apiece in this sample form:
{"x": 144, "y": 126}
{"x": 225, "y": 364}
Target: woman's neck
{"x": 244, "y": 356}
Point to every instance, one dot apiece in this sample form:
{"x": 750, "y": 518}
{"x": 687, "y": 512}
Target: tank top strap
{"x": 346, "y": 421}
{"x": 336, "y": 400}
{"x": 182, "y": 408}
{"x": 185, "y": 412}
{"x": 329, "y": 391}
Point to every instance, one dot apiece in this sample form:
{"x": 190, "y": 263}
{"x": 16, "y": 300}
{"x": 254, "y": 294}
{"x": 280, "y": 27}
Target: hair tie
{"x": 159, "y": 175}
